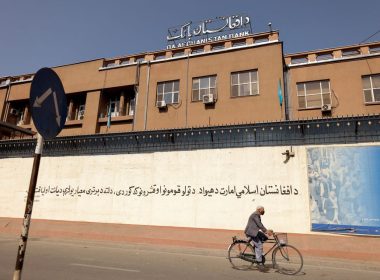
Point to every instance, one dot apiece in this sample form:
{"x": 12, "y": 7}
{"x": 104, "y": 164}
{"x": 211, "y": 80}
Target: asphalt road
{"x": 70, "y": 260}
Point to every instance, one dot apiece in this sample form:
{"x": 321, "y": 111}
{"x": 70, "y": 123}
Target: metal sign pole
{"x": 28, "y": 210}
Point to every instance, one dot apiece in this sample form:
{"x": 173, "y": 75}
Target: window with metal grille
{"x": 313, "y": 94}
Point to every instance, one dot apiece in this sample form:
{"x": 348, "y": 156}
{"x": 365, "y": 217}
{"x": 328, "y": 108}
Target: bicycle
{"x": 285, "y": 258}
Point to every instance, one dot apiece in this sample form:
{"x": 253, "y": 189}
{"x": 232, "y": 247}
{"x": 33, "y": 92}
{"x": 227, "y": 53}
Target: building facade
{"x": 235, "y": 81}
{"x": 174, "y": 137}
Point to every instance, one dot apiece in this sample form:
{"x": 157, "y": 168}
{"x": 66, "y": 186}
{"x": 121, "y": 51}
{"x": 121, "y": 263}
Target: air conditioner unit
{"x": 208, "y": 98}
{"x": 81, "y": 115}
{"x": 326, "y": 108}
{"x": 5, "y": 82}
{"x": 14, "y": 112}
{"x": 161, "y": 104}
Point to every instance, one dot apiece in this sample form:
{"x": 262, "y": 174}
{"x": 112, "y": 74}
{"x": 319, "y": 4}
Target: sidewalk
{"x": 360, "y": 248}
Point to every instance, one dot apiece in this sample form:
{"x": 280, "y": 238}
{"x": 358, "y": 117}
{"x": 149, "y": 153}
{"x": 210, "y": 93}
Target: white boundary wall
{"x": 199, "y": 188}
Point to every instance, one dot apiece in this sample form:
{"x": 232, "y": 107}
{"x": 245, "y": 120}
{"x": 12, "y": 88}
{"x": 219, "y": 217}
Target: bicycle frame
{"x": 276, "y": 243}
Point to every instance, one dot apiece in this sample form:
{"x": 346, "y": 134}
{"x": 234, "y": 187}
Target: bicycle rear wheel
{"x": 287, "y": 260}
{"x": 241, "y": 255}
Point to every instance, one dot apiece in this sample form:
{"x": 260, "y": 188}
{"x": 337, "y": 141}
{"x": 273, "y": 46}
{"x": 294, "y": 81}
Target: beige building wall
{"x": 19, "y": 92}
{"x": 81, "y": 77}
{"x": 345, "y": 78}
{"x": 267, "y": 60}
{"x": 95, "y": 80}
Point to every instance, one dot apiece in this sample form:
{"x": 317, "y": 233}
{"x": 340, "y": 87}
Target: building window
{"x": 114, "y": 106}
{"x": 76, "y": 106}
{"x": 350, "y": 52}
{"x": 140, "y": 59}
{"x": 299, "y": 60}
{"x": 218, "y": 47}
{"x": 168, "y": 92}
{"x": 131, "y": 104}
{"x": 374, "y": 49}
{"x": 19, "y": 113}
{"x": 81, "y": 110}
{"x": 160, "y": 56}
{"x": 244, "y": 83}
{"x": 197, "y": 50}
{"x": 203, "y": 86}
{"x": 261, "y": 40}
{"x": 109, "y": 64}
{"x": 313, "y": 94}
{"x": 324, "y": 56}
{"x": 125, "y": 61}
{"x": 177, "y": 54}
{"x": 238, "y": 43}
{"x": 371, "y": 88}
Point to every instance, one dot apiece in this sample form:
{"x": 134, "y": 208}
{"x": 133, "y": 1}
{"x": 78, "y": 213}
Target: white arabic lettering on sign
{"x": 205, "y": 27}
{"x": 204, "y": 40}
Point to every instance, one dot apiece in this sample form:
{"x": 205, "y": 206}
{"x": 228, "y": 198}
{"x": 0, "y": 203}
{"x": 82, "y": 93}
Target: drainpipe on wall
{"x": 286, "y": 93}
{"x": 147, "y": 93}
{"x": 187, "y": 88}
{"x": 6, "y": 107}
{"x": 285, "y": 76}
{"x": 136, "y": 88}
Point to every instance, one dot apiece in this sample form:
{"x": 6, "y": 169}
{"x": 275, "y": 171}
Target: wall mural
{"x": 344, "y": 189}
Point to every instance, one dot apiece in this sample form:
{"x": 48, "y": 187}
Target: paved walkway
{"x": 361, "y": 248}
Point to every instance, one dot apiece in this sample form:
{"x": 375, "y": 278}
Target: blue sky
{"x": 47, "y": 33}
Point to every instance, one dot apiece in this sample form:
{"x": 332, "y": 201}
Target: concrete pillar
{"x": 90, "y": 122}
{"x": 168, "y": 54}
{"x": 228, "y": 44}
{"x": 70, "y": 110}
{"x": 26, "y": 117}
{"x": 364, "y": 50}
{"x": 337, "y": 53}
{"x": 127, "y": 105}
{"x": 312, "y": 57}
{"x": 273, "y": 36}
{"x": 122, "y": 104}
{"x": 249, "y": 41}
{"x": 3, "y": 94}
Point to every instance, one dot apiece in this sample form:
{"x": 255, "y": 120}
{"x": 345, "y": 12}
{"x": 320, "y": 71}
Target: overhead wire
{"x": 374, "y": 34}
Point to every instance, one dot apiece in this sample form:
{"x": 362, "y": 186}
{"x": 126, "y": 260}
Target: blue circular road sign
{"x": 48, "y": 103}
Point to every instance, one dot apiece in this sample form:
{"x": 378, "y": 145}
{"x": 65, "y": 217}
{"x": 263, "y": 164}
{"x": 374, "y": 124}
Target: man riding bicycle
{"x": 256, "y": 230}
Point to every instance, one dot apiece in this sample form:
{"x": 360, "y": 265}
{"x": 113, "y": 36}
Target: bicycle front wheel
{"x": 287, "y": 260}
{"x": 241, "y": 255}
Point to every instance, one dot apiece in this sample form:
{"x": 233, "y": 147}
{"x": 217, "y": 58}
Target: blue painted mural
{"x": 344, "y": 185}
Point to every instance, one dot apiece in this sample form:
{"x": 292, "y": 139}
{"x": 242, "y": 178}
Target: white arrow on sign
{"x": 58, "y": 117}
{"x": 38, "y": 102}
